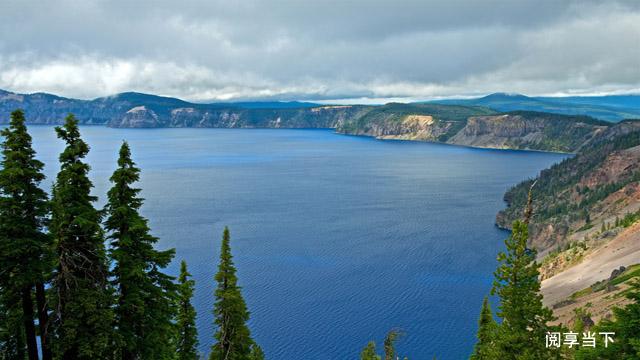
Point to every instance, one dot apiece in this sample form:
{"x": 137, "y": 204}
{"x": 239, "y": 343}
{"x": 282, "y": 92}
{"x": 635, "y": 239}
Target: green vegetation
{"x": 233, "y": 339}
{"x": 91, "y": 303}
{"x": 631, "y": 272}
{"x": 187, "y": 333}
{"x": 629, "y": 219}
{"x": 522, "y": 331}
{"x": 83, "y": 297}
{"x": 561, "y": 133}
{"x": 487, "y": 328}
{"x": 625, "y": 326}
{"x": 559, "y": 196}
{"x": 25, "y": 247}
{"x": 369, "y": 351}
{"x": 144, "y": 295}
{"x": 390, "y": 116}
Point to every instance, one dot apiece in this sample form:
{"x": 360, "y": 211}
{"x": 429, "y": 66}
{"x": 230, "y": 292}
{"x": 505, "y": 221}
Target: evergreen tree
{"x": 256, "y": 352}
{"x": 233, "y": 339}
{"x": 369, "y": 352}
{"x": 83, "y": 313}
{"x": 390, "y": 345}
{"x": 521, "y": 334}
{"x": 144, "y": 295}
{"x": 486, "y": 334}
{"x": 626, "y": 328}
{"x": 25, "y": 248}
{"x": 187, "y": 333}
{"x": 12, "y": 342}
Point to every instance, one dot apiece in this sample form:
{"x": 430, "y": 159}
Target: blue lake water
{"x": 337, "y": 239}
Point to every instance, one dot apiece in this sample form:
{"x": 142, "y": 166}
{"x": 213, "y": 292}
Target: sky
{"x": 339, "y": 51}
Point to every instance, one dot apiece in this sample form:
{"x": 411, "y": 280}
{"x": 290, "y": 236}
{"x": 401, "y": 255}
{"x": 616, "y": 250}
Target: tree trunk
{"x": 29, "y": 328}
{"x": 43, "y": 320}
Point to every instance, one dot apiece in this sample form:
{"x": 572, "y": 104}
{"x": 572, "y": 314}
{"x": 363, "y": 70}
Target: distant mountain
{"x": 623, "y": 101}
{"x": 131, "y": 109}
{"x": 611, "y": 108}
{"x": 487, "y": 122}
{"x": 271, "y": 104}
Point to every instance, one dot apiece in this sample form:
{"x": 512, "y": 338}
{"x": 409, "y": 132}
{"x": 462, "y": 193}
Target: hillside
{"x": 611, "y": 108}
{"x": 477, "y": 126}
{"x": 577, "y": 196}
{"x": 427, "y": 122}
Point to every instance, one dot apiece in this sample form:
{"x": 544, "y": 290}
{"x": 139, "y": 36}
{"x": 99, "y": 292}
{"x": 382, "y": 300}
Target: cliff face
{"x": 411, "y": 127}
{"x": 142, "y": 110}
{"x": 577, "y": 198}
{"x": 315, "y": 117}
{"x": 455, "y": 124}
{"x": 533, "y": 131}
{"x": 426, "y": 122}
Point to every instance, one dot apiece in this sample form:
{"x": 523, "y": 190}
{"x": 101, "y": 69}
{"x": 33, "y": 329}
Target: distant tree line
{"x": 64, "y": 294}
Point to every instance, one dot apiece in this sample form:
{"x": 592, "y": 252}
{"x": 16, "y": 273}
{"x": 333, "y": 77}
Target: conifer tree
{"x": 187, "y": 333}
{"x": 369, "y": 352}
{"x": 521, "y": 334}
{"x": 144, "y": 295}
{"x": 625, "y": 327}
{"x": 83, "y": 314}
{"x": 12, "y": 343}
{"x": 25, "y": 248}
{"x": 390, "y": 344}
{"x": 486, "y": 334}
{"x": 256, "y": 352}
{"x": 233, "y": 339}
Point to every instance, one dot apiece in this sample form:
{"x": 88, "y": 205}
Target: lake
{"x": 337, "y": 239}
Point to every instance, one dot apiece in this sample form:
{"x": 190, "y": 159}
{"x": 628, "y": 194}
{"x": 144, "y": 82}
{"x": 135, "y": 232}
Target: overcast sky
{"x": 361, "y": 51}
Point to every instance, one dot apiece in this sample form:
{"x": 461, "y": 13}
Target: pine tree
{"x": 233, "y": 339}
{"x": 390, "y": 345}
{"x": 486, "y": 334}
{"x": 144, "y": 295}
{"x": 256, "y": 352}
{"x": 626, "y": 328}
{"x": 25, "y": 248}
{"x": 12, "y": 342}
{"x": 369, "y": 352}
{"x": 187, "y": 333}
{"x": 83, "y": 313}
{"x": 521, "y": 334}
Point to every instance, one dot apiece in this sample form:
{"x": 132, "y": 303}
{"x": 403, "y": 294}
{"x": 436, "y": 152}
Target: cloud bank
{"x": 359, "y": 51}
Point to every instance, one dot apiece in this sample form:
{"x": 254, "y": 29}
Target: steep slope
{"x": 575, "y": 198}
{"x": 611, "y": 108}
{"x": 476, "y": 126}
{"x": 427, "y": 122}
{"x": 529, "y": 130}
{"x": 143, "y": 110}
{"x": 194, "y": 116}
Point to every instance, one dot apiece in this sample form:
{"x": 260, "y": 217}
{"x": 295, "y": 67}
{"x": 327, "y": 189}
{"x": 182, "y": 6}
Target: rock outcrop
{"x": 581, "y": 198}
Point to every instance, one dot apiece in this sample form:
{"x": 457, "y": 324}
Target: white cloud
{"x": 309, "y": 50}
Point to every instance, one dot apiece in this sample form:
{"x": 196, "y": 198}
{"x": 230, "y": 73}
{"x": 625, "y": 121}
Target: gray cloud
{"x": 224, "y": 50}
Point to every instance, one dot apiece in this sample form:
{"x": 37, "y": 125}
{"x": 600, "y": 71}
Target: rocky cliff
{"x": 312, "y": 117}
{"x": 529, "y": 130}
{"x": 455, "y": 124}
{"x": 575, "y": 200}
{"x": 477, "y": 127}
{"x": 143, "y": 110}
